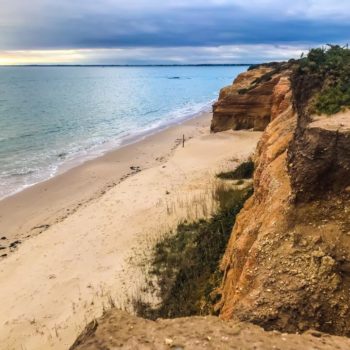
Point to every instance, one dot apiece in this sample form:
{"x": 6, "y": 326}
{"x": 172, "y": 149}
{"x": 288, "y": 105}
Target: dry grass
{"x": 182, "y": 270}
{"x": 244, "y": 170}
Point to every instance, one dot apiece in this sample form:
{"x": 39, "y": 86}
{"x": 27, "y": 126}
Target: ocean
{"x": 52, "y": 118}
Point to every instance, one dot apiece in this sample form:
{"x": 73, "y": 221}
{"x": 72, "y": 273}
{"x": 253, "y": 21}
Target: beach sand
{"x": 93, "y": 221}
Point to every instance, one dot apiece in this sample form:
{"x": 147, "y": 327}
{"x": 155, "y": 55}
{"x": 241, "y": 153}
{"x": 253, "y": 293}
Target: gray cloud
{"x": 110, "y": 24}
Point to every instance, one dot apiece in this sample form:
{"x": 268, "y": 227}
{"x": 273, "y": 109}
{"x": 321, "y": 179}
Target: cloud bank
{"x": 167, "y": 28}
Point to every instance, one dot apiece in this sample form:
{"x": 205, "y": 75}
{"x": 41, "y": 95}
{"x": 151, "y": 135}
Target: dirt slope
{"x": 117, "y": 329}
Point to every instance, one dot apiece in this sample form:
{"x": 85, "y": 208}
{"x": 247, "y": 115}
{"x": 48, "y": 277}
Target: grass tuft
{"x": 244, "y": 171}
{"x": 185, "y": 262}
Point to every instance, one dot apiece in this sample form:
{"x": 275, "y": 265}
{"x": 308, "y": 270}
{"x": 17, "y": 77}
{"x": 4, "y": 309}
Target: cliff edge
{"x": 120, "y": 330}
{"x": 287, "y": 265}
{"x": 251, "y": 101}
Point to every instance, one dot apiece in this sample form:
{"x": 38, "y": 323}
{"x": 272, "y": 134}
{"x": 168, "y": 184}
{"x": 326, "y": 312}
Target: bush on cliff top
{"x": 329, "y": 69}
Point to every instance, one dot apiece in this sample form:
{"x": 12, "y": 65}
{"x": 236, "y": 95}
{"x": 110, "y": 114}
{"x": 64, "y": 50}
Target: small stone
{"x": 236, "y": 330}
{"x": 314, "y": 333}
{"x": 168, "y": 341}
{"x": 318, "y": 253}
{"x": 3, "y": 238}
{"x": 14, "y": 244}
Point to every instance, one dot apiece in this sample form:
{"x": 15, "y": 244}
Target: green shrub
{"x": 333, "y": 99}
{"x": 328, "y": 69}
{"x": 244, "y": 171}
{"x": 186, "y": 263}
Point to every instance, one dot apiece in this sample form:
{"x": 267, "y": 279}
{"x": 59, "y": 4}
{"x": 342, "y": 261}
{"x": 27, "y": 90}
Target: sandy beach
{"x": 33, "y": 210}
{"x": 80, "y": 230}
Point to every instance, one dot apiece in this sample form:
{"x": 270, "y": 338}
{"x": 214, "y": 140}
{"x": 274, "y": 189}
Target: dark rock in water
{"x": 174, "y": 78}
{"x": 62, "y": 155}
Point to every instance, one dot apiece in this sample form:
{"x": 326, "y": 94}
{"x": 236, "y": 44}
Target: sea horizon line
{"x": 133, "y": 65}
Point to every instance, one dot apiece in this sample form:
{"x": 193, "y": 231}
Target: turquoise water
{"x": 54, "y": 116}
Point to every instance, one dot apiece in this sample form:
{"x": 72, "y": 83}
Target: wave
{"x": 63, "y": 160}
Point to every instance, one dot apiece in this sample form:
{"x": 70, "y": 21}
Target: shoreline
{"x": 34, "y": 209}
{"x": 130, "y": 140}
{"x": 113, "y": 145}
{"x": 98, "y": 231}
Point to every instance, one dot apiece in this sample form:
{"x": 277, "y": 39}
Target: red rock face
{"x": 242, "y": 107}
{"x": 287, "y": 264}
{"x": 244, "y": 260}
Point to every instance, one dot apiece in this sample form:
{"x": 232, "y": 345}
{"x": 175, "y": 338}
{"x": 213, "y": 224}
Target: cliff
{"x": 251, "y": 101}
{"x": 287, "y": 265}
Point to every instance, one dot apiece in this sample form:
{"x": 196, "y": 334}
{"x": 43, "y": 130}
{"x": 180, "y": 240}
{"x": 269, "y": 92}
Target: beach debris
{"x": 2, "y": 248}
{"x": 160, "y": 159}
{"x": 14, "y": 244}
{"x": 51, "y": 277}
{"x": 3, "y": 238}
{"x": 135, "y": 169}
{"x": 41, "y": 227}
{"x": 167, "y": 192}
{"x": 3, "y": 256}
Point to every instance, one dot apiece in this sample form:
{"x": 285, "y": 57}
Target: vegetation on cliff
{"x": 244, "y": 171}
{"x": 185, "y": 263}
{"x": 329, "y": 70}
{"x": 324, "y": 74}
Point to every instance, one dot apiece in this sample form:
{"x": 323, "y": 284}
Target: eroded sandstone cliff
{"x": 287, "y": 265}
{"x": 250, "y": 102}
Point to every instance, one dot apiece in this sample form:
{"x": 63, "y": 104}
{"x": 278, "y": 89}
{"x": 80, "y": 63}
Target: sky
{"x": 167, "y": 31}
